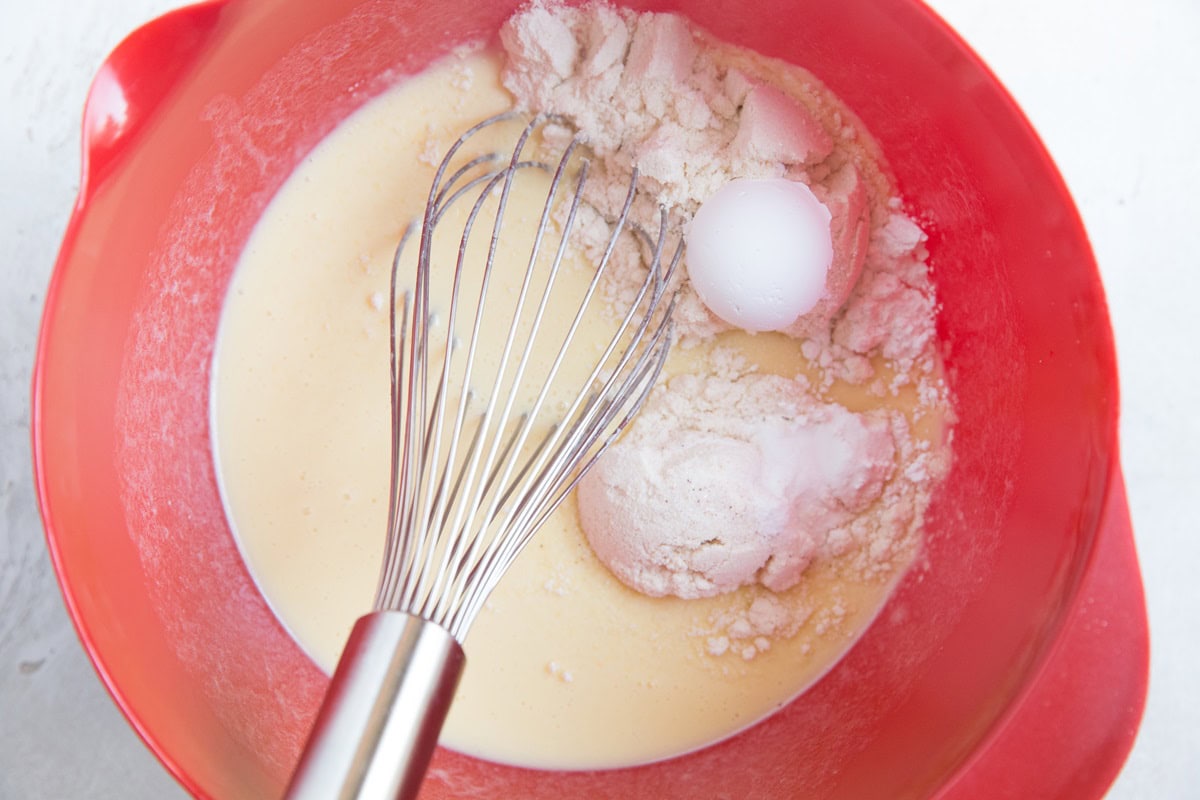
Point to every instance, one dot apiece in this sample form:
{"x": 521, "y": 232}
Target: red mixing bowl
{"x": 1014, "y": 665}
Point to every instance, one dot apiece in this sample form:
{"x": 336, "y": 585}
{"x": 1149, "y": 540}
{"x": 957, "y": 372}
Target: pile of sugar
{"x": 691, "y": 114}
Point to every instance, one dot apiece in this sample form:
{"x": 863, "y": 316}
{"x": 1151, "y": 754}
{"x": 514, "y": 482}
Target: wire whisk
{"x": 511, "y": 372}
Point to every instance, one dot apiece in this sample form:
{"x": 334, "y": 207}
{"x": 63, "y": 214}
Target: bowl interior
{"x": 155, "y": 582}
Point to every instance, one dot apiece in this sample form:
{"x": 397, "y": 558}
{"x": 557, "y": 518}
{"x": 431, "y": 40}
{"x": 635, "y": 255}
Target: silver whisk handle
{"x": 381, "y": 717}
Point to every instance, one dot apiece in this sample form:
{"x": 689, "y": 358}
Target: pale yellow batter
{"x": 567, "y": 668}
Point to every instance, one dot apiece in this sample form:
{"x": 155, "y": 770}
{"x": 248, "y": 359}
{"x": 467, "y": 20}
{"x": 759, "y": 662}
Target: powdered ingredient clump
{"x": 730, "y": 478}
{"x": 726, "y": 483}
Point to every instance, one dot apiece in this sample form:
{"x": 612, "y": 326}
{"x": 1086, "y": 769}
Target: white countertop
{"x": 1113, "y": 89}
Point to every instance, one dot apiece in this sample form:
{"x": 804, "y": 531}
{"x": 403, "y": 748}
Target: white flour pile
{"x": 729, "y": 482}
{"x": 691, "y": 114}
{"x": 731, "y": 478}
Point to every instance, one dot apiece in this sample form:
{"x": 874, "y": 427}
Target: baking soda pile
{"x": 731, "y": 478}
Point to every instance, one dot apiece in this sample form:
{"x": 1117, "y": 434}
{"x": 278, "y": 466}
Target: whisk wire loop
{"x": 470, "y": 485}
{"x": 460, "y": 553}
{"x": 543, "y": 473}
{"x": 554, "y": 483}
{"x": 503, "y": 180}
{"x": 424, "y": 506}
{"x": 432, "y": 507}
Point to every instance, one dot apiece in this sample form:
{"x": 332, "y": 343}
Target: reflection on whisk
{"x": 510, "y": 374}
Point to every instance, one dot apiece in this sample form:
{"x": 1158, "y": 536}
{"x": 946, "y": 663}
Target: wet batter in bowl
{"x": 590, "y": 655}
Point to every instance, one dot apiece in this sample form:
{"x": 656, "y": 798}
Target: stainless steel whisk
{"x": 475, "y": 473}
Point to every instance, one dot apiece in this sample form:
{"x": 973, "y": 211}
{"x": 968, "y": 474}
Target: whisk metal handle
{"x": 379, "y": 724}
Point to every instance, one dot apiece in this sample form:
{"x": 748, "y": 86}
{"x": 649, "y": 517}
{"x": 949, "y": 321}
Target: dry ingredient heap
{"x": 732, "y": 478}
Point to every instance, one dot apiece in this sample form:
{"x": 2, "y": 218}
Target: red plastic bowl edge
{"x": 1104, "y": 639}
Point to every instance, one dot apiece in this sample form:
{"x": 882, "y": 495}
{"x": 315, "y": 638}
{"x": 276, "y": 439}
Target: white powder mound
{"x": 734, "y": 479}
{"x": 646, "y": 91}
{"x": 725, "y": 483}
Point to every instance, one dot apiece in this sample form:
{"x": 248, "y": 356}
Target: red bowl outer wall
{"x": 194, "y": 123}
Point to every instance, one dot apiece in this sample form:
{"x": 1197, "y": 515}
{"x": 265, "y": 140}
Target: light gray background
{"x": 1114, "y": 90}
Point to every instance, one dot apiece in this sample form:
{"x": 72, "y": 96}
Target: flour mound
{"x": 731, "y": 479}
{"x": 648, "y": 91}
{"x": 726, "y": 483}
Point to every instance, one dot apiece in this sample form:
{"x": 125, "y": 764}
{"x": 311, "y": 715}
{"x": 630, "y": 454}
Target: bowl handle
{"x": 135, "y": 78}
{"x": 1073, "y": 729}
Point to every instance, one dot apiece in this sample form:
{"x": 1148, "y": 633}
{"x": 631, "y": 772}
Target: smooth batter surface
{"x": 567, "y": 668}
